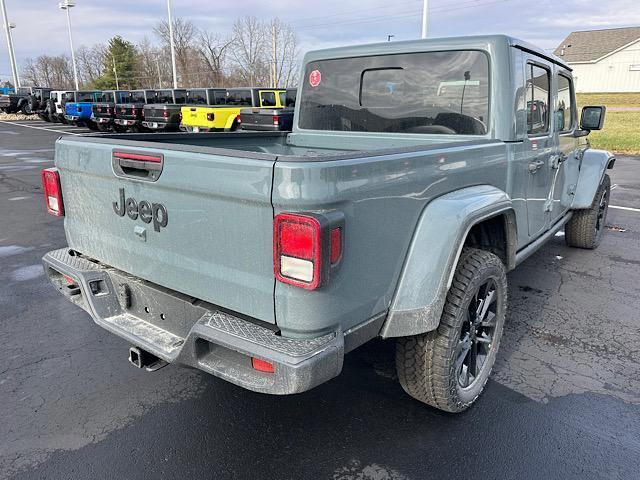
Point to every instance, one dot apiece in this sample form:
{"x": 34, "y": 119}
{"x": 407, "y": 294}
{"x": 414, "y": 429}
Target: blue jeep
{"x": 79, "y": 112}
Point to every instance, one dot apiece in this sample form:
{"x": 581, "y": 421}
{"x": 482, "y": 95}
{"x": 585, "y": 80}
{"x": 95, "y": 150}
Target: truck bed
{"x": 285, "y": 146}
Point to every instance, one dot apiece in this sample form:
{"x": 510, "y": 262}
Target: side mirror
{"x": 592, "y": 117}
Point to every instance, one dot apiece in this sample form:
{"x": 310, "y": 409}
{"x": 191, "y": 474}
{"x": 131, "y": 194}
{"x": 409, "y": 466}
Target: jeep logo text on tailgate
{"x": 147, "y": 212}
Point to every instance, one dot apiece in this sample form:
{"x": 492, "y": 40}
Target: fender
{"x": 592, "y": 169}
{"x": 433, "y": 256}
{"x": 230, "y": 120}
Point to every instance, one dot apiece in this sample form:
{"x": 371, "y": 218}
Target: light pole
{"x": 173, "y": 48}
{"x": 425, "y": 12}
{"x": 159, "y": 77}
{"x": 67, "y": 5}
{"x": 12, "y": 55}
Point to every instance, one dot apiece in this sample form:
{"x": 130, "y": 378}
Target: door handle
{"x": 536, "y": 165}
{"x": 557, "y": 160}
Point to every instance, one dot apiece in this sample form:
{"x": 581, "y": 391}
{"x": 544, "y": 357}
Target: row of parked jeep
{"x": 191, "y": 110}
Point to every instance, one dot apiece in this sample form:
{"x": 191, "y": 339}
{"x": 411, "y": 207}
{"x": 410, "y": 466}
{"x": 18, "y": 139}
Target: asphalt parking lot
{"x": 564, "y": 401}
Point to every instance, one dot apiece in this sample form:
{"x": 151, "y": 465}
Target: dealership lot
{"x": 564, "y": 401}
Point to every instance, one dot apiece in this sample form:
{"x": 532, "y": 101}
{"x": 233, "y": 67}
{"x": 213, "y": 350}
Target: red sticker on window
{"x": 314, "y": 78}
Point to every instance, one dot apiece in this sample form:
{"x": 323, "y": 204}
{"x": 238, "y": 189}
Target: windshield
{"x": 428, "y": 92}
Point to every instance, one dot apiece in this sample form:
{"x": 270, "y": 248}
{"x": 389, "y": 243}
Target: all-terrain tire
{"x": 428, "y": 365}
{"x": 586, "y": 226}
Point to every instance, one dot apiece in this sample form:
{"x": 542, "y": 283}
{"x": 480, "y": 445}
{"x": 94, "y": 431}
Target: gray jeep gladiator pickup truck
{"x": 416, "y": 176}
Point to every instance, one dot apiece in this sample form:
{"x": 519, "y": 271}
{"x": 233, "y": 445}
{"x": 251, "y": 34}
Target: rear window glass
{"x": 166, "y": 96}
{"x": 219, "y": 97}
{"x": 197, "y": 97}
{"x": 106, "y": 97}
{"x": 85, "y": 96}
{"x": 290, "y": 97}
{"x": 239, "y": 97}
{"x": 268, "y": 99}
{"x": 139, "y": 97}
{"x": 428, "y": 92}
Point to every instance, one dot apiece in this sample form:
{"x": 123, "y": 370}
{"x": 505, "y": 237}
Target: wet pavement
{"x": 564, "y": 400}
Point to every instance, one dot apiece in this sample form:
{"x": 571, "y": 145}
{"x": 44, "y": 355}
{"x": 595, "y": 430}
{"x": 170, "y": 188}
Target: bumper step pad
{"x": 195, "y": 333}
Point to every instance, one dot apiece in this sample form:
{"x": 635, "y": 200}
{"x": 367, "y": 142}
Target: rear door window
{"x": 538, "y": 96}
{"x": 428, "y": 92}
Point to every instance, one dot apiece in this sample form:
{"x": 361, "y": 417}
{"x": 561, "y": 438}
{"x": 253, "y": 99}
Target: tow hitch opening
{"x": 142, "y": 359}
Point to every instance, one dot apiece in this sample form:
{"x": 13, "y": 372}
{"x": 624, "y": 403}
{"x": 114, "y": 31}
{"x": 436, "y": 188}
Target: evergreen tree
{"x": 124, "y": 55}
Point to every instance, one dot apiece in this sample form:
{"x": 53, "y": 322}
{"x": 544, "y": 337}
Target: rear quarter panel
{"x": 382, "y": 198}
{"x": 197, "y": 116}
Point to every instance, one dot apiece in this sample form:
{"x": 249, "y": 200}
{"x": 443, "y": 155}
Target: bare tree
{"x": 90, "y": 62}
{"x": 153, "y": 67}
{"x": 184, "y": 32}
{"x": 284, "y": 54}
{"x": 249, "y": 49}
{"x": 48, "y": 71}
{"x": 213, "y": 51}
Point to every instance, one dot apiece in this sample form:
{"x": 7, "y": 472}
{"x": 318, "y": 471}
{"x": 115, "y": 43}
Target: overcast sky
{"x": 41, "y": 26}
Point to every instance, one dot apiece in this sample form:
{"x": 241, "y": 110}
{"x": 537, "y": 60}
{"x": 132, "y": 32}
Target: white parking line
{"x": 39, "y": 128}
{"x": 630, "y": 209}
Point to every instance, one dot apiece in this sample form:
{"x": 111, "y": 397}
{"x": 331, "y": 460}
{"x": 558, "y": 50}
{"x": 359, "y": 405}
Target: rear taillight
{"x": 108, "y": 110}
{"x": 238, "y": 119}
{"x": 52, "y": 191}
{"x": 134, "y": 111}
{"x": 210, "y": 117}
{"x": 276, "y": 120}
{"x": 306, "y": 248}
{"x": 165, "y": 113}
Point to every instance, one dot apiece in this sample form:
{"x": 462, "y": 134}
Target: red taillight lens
{"x": 165, "y": 113}
{"x": 238, "y": 119}
{"x": 134, "y": 111}
{"x": 262, "y": 365}
{"x": 210, "y": 117}
{"x": 52, "y": 191}
{"x": 276, "y": 120}
{"x": 336, "y": 245}
{"x": 297, "y": 250}
{"x": 108, "y": 111}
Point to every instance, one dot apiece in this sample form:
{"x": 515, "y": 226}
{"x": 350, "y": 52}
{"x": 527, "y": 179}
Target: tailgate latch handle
{"x": 143, "y": 166}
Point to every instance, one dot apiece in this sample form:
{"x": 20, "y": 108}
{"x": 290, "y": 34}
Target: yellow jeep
{"x": 224, "y": 114}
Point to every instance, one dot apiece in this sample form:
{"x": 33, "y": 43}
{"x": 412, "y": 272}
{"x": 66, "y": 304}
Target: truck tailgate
{"x": 216, "y": 243}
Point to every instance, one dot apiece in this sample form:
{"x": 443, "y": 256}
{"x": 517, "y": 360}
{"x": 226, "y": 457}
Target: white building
{"x": 603, "y": 60}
